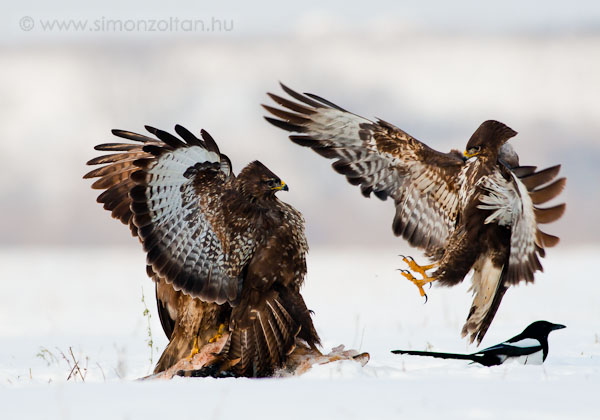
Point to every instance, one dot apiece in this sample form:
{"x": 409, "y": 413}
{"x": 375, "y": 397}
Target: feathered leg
{"x": 452, "y": 267}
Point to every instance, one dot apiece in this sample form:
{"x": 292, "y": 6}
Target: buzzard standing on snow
{"x": 222, "y": 250}
{"x": 478, "y": 212}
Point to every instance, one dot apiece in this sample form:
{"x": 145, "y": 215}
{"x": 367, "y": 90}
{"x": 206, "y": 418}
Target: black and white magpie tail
{"x": 477, "y": 358}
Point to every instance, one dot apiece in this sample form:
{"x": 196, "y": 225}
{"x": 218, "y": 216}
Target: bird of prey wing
{"x": 383, "y": 160}
{"x": 513, "y": 204}
{"x": 166, "y": 191}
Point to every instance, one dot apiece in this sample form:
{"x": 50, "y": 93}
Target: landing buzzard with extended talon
{"x": 476, "y": 211}
{"x": 223, "y": 250}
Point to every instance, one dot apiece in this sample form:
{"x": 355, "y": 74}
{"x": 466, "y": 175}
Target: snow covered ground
{"x": 88, "y": 302}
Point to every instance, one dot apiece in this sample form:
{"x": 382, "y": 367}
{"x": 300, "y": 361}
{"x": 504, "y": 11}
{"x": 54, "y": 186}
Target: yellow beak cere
{"x": 283, "y": 187}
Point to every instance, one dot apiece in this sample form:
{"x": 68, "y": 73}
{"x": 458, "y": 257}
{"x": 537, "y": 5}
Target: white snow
{"x": 89, "y": 300}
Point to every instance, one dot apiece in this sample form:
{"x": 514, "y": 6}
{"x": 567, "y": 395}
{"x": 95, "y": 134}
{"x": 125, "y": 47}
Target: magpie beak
{"x": 529, "y": 347}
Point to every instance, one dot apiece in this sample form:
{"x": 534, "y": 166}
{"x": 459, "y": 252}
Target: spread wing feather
{"x": 513, "y": 203}
{"x": 168, "y": 190}
{"x": 381, "y": 159}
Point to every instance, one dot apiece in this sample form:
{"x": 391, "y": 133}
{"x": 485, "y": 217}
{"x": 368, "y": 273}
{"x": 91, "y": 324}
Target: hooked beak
{"x": 281, "y": 187}
{"x": 469, "y": 155}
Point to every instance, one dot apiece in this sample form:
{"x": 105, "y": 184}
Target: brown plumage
{"x": 221, "y": 249}
{"x": 476, "y": 213}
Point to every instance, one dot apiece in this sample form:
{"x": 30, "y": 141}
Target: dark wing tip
{"x": 550, "y": 214}
{"x": 285, "y": 125}
{"x": 188, "y": 136}
{"x": 125, "y": 134}
{"x": 300, "y": 97}
{"x": 547, "y": 193}
{"x": 539, "y": 178}
{"x": 151, "y": 129}
{"x": 211, "y": 144}
{"x": 325, "y": 102}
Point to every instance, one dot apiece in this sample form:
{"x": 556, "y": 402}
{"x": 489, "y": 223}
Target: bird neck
{"x": 544, "y": 342}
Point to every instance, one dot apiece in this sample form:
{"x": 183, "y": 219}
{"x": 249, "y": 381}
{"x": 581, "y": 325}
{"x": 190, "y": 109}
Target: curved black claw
{"x": 426, "y": 299}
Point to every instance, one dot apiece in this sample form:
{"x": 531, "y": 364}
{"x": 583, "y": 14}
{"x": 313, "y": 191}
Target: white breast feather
{"x": 501, "y": 198}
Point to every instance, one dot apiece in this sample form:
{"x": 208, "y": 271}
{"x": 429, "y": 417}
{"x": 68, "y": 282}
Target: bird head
{"x": 487, "y": 139}
{"x": 541, "y": 329}
{"x": 258, "y": 182}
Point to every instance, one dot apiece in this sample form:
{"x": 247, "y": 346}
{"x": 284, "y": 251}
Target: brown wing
{"x": 114, "y": 176}
{"x": 383, "y": 160}
{"x": 169, "y": 191}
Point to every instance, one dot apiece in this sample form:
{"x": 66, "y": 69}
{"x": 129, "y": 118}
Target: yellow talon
{"x": 419, "y": 269}
{"x": 219, "y": 334}
{"x": 195, "y": 349}
{"x": 417, "y": 282}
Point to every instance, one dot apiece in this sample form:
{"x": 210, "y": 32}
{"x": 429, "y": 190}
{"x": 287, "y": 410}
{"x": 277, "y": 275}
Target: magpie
{"x": 529, "y": 347}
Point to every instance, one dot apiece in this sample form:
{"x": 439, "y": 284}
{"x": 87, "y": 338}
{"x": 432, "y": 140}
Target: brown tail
{"x": 476, "y": 329}
{"x": 489, "y": 286}
{"x": 263, "y": 333}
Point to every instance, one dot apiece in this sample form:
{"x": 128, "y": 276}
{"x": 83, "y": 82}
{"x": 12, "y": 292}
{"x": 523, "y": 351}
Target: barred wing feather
{"x": 168, "y": 190}
{"x": 383, "y": 160}
{"x": 514, "y": 204}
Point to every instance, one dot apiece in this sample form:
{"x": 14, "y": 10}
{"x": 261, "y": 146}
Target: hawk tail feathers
{"x": 263, "y": 334}
{"x": 488, "y": 288}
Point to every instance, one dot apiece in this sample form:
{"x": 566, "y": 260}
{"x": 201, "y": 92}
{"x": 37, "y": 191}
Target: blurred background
{"x": 436, "y": 69}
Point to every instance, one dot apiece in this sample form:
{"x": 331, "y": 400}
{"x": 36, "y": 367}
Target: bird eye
{"x": 474, "y": 149}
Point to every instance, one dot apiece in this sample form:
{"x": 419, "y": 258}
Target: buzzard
{"x": 223, "y": 250}
{"x": 473, "y": 212}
